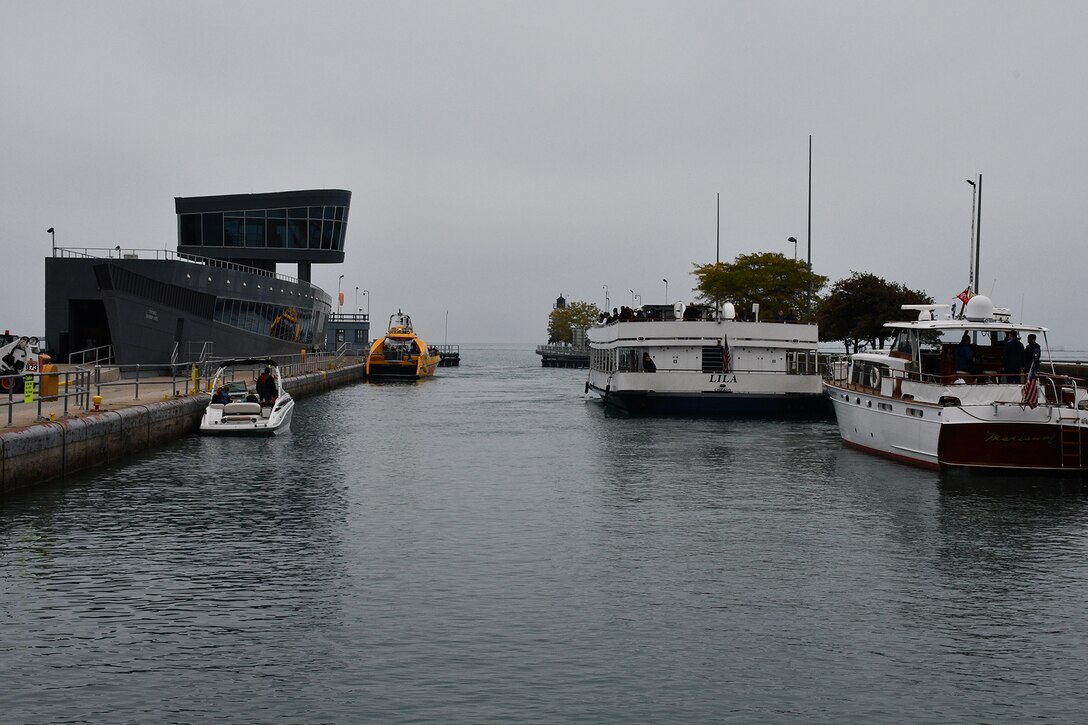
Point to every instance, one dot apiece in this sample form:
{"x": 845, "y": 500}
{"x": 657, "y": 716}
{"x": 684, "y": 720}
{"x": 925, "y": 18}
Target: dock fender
{"x": 587, "y": 389}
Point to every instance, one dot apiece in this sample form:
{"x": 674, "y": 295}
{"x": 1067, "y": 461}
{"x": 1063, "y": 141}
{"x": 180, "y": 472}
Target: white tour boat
{"x": 235, "y": 409}
{"x": 692, "y": 359}
{"x": 915, "y": 402}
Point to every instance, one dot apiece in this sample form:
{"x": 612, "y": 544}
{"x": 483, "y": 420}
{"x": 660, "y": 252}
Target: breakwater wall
{"x": 48, "y": 451}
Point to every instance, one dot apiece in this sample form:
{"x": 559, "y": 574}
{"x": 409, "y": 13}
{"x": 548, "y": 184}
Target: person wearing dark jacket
{"x": 1014, "y": 357}
{"x": 1032, "y": 353}
{"x": 266, "y": 387}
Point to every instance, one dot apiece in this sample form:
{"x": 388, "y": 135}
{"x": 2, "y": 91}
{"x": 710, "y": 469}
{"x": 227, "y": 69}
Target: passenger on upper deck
{"x": 1014, "y": 357}
{"x": 1032, "y": 353}
{"x": 965, "y": 357}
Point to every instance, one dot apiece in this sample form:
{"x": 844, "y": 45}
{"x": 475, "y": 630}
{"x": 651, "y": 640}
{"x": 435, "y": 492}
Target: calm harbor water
{"x": 492, "y": 547}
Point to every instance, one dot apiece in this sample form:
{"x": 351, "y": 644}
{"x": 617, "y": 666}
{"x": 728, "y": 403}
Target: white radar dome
{"x": 729, "y": 312}
{"x": 979, "y": 308}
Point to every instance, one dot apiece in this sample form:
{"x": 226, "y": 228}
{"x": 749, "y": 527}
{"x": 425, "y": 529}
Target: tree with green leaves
{"x": 574, "y": 315}
{"x": 857, "y": 307}
{"x": 768, "y": 278}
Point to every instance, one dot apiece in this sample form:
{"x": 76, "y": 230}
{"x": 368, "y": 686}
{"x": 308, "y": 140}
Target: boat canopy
{"x": 248, "y": 362}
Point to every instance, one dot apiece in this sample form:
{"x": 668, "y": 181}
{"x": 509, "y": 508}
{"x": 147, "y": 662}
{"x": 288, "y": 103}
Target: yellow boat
{"x": 400, "y": 354}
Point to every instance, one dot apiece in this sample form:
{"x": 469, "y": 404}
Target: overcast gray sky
{"x": 502, "y": 153}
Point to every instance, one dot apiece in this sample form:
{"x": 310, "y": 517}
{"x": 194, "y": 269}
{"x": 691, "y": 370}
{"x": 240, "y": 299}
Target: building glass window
{"x": 327, "y": 233}
{"x": 296, "y": 233}
{"x": 254, "y": 232}
{"x": 315, "y": 233}
{"x": 234, "y": 229}
{"x": 360, "y": 335}
{"x": 189, "y": 229}
{"x": 213, "y": 229}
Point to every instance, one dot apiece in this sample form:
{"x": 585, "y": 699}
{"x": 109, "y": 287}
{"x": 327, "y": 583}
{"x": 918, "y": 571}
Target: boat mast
{"x": 971, "y": 247}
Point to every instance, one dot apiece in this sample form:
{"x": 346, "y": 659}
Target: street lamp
{"x": 339, "y": 295}
{"x": 632, "y": 297}
{"x": 666, "y": 290}
{"x": 366, "y": 293}
{"x": 53, "y": 234}
{"x": 605, "y": 288}
{"x": 793, "y": 241}
{"x": 357, "y": 300}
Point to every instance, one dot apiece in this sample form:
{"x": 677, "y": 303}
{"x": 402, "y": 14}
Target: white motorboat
{"x": 915, "y": 403}
{"x": 237, "y": 409}
{"x": 694, "y": 359}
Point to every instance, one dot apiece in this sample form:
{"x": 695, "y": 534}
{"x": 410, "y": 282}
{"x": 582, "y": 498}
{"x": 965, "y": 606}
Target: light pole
{"x": 53, "y": 234}
{"x": 666, "y": 290}
{"x": 605, "y": 288}
{"x": 357, "y": 300}
{"x": 793, "y": 241}
{"x": 366, "y": 293}
{"x": 632, "y": 297}
{"x": 339, "y": 295}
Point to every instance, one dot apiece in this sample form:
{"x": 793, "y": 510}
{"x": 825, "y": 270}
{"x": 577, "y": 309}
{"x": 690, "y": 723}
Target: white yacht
{"x": 915, "y": 402}
{"x": 239, "y": 408}
{"x": 694, "y": 359}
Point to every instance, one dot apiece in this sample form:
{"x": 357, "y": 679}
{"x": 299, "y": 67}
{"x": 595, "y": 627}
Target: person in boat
{"x": 1032, "y": 353}
{"x": 1014, "y": 357}
{"x": 266, "y": 387}
{"x": 965, "y": 357}
{"x": 222, "y": 396}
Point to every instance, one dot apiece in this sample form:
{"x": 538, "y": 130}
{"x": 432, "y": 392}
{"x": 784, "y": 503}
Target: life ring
{"x": 874, "y": 377}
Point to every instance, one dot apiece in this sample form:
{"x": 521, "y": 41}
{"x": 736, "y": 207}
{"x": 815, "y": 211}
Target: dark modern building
{"x": 219, "y": 295}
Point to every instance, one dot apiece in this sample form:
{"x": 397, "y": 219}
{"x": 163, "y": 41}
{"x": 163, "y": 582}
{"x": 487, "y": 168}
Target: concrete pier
{"x": 34, "y": 452}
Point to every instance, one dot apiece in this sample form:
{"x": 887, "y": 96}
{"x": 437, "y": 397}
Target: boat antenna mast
{"x": 971, "y": 246}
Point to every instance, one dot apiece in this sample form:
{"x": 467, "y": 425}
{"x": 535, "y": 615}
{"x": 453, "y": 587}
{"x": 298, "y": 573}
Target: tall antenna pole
{"x": 718, "y": 236}
{"x": 978, "y": 235}
{"x": 971, "y": 249}
{"x": 809, "y": 297}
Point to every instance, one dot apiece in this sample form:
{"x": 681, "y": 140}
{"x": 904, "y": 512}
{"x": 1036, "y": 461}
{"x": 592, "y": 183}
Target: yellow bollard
{"x": 196, "y": 379}
{"x": 97, "y": 400}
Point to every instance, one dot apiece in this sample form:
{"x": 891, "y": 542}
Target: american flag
{"x": 1031, "y": 390}
{"x": 727, "y": 357}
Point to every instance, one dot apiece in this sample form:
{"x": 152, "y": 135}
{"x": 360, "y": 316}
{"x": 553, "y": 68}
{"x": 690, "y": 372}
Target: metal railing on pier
{"x": 62, "y": 393}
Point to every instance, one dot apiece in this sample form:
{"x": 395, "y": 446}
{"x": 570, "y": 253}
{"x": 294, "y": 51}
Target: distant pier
{"x": 451, "y": 356}
{"x": 563, "y": 356}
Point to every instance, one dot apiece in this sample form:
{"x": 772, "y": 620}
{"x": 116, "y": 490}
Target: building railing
{"x": 165, "y": 254}
{"x": 91, "y": 356}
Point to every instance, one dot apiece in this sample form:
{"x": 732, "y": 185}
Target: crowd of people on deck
{"x": 691, "y": 311}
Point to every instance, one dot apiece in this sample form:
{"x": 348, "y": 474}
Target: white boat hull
{"x": 1001, "y": 436}
{"x": 717, "y": 367}
{"x": 222, "y": 420}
